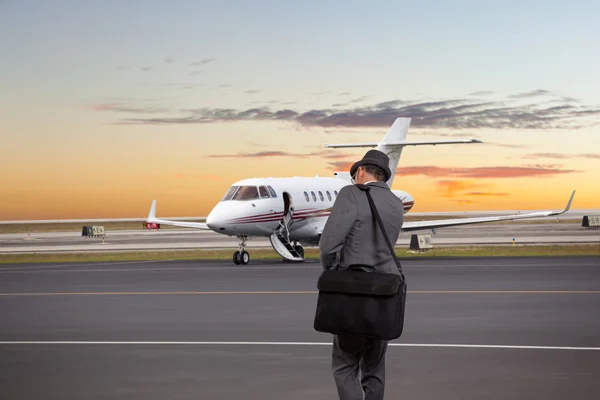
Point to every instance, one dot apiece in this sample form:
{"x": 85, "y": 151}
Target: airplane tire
{"x": 245, "y": 257}
{"x": 237, "y": 258}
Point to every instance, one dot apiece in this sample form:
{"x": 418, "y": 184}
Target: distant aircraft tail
{"x": 394, "y": 141}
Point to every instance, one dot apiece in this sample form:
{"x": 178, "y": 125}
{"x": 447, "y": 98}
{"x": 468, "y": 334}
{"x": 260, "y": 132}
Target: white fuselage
{"x": 255, "y": 207}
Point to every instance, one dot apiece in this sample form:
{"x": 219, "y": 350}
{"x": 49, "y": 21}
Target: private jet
{"x": 292, "y": 211}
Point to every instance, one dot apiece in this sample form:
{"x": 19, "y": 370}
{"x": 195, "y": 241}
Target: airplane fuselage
{"x": 255, "y": 207}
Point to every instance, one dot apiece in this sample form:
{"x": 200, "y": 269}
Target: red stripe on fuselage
{"x": 298, "y": 216}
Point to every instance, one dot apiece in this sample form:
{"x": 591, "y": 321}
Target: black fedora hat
{"x": 374, "y": 157}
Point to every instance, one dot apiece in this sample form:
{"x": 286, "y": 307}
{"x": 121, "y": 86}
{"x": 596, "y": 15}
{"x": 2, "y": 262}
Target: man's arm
{"x": 338, "y": 225}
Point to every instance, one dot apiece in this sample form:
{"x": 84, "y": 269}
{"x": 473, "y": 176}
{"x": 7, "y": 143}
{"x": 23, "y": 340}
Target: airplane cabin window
{"x": 246, "y": 193}
{"x": 336, "y": 193}
{"x": 264, "y": 192}
{"x": 328, "y": 195}
{"x": 306, "y": 195}
{"x": 314, "y": 196}
{"x": 321, "y": 196}
{"x": 272, "y": 191}
{"x": 230, "y": 192}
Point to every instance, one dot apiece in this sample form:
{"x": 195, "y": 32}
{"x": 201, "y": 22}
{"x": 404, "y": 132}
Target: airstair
{"x": 280, "y": 240}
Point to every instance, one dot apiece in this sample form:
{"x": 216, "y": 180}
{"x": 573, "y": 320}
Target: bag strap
{"x": 367, "y": 189}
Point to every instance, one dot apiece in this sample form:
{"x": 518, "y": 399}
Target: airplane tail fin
{"x": 394, "y": 141}
{"x": 396, "y": 133}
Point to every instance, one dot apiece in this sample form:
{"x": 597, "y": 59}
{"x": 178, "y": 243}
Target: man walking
{"x": 352, "y": 236}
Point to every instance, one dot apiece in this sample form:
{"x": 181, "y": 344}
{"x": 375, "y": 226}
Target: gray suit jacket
{"x": 352, "y": 235}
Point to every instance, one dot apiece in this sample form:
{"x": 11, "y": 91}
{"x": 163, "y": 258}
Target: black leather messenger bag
{"x": 361, "y": 301}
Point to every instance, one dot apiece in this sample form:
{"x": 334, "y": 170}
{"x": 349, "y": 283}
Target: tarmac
{"x": 476, "y": 328}
{"x": 484, "y": 234}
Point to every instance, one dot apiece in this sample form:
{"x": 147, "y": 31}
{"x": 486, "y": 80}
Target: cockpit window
{"x": 246, "y": 193}
{"x": 264, "y": 192}
{"x": 249, "y": 193}
{"x": 230, "y": 193}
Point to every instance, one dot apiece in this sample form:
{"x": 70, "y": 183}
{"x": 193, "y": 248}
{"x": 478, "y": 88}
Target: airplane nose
{"x": 212, "y": 221}
{"x": 216, "y": 219}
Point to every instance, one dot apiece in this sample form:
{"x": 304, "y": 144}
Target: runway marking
{"x": 290, "y": 292}
{"x": 307, "y": 266}
{"x": 166, "y": 343}
{"x": 44, "y": 268}
{"x": 31, "y": 270}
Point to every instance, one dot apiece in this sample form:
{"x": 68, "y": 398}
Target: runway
{"x": 485, "y": 234}
{"x": 477, "y": 328}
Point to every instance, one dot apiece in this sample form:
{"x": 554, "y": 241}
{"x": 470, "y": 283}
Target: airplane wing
{"x": 152, "y": 219}
{"x": 419, "y": 225}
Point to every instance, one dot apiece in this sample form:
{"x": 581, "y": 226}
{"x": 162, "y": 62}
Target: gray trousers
{"x": 352, "y": 355}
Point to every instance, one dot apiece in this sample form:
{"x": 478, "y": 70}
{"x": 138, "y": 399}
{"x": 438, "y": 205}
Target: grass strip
{"x": 310, "y": 253}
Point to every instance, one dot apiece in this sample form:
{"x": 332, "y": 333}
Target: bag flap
{"x": 359, "y": 282}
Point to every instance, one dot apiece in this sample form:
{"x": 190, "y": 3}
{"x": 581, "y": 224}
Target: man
{"x": 352, "y": 236}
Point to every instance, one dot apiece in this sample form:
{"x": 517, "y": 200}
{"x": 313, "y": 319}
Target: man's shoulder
{"x": 348, "y": 191}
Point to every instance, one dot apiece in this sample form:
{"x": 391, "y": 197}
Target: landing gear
{"x": 241, "y": 256}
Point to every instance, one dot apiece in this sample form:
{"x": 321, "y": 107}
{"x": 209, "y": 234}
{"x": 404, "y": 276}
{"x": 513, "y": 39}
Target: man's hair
{"x": 376, "y": 171}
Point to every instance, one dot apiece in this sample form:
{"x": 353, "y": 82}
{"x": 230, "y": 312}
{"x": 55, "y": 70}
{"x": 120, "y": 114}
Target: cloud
{"x": 486, "y": 194}
{"x": 450, "y": 187}
{"x": 146, "y": 69}
{"x": 202, "y": 62}
{"x": 322, "y": 154}
{"x": 543, "y": 165}
{"x": 332, "y": 155}
{"x": 168, "y": 60}
{"x": 259, "y": 154}
{"x": 252, "y": 91}
{"x": 442, "y": 114}
{"x": 535, "y": 93}
{"x": 484, "y": 172}
{"x": 341, "y": 165}
{"x": 481, "y": 93}
{"x": 562, "y": 156}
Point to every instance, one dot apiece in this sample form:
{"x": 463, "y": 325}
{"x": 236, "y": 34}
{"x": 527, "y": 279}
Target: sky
{"x": 106, "y": 106}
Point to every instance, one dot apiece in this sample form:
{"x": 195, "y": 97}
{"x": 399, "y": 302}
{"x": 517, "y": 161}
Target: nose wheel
{"x": 241, "y": 256}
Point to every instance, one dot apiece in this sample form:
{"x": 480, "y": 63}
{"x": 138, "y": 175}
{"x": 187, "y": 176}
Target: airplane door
{"x": 288, "y": 209}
